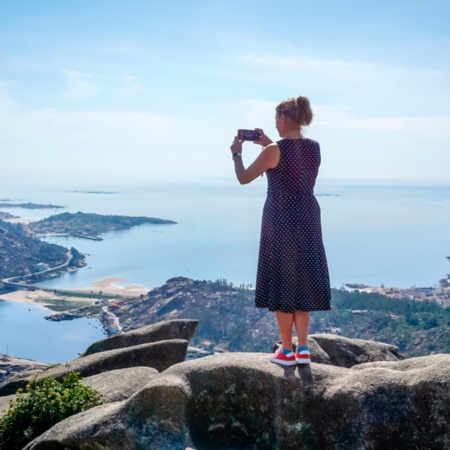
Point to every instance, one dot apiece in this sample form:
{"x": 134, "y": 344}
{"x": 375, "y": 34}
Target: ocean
{"x": 394, "y": 234}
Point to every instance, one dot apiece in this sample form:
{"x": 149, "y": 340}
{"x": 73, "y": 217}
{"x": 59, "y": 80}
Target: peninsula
{"x": 89, "y": 225}
{"x": 24, "y": 257}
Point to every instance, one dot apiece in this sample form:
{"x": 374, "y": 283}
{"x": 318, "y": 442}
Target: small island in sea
{"x": 89, "y": 225}
{"x": 94, "y": 192}
{"x": 28, "y": 205}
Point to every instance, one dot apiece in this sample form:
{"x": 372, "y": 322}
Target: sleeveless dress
{"x": 292, "y": 265}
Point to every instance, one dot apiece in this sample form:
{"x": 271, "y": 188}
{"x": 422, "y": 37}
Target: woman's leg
{"x": 285, "y": 323}
{"x": 301, "y": 320}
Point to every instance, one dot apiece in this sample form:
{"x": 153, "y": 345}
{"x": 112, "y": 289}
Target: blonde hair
{"x": 298, "y": 109}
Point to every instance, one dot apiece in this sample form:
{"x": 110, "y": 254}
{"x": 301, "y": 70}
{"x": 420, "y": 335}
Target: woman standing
{"x": 292, "y": 277}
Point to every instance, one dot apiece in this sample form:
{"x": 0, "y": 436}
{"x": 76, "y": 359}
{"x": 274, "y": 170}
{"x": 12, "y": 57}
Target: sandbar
{"x": 106, "y": 285}
{"x": 39, "y": 297}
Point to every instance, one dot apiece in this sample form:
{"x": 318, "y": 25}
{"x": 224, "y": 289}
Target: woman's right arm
{"x": 267, "y": 159}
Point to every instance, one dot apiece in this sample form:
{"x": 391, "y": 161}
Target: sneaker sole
{"x": 303, "y": 361}
{"x": 283, "y": 363}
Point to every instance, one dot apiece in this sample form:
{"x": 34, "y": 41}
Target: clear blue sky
{"x": 148, "y": 90}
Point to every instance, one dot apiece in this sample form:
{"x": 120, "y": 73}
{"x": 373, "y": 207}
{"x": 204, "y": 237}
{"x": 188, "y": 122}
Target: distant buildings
{"x": 438, "y": 294}
{"x": 112, "y": 321}
{"x": 41, "y": 267}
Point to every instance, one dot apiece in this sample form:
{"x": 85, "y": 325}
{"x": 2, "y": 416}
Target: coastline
{"x": 106, "y": 285}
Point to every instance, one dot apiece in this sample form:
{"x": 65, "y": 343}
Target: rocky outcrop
{"x": 346, "y": 352}
{"x": 343, "y": 352}
{"x": 161, "y": 331}
{"x": 10, "y": 366}
{"x": 355, "y": 395}
{"x": 5, "y": 402}
{"x": 157, "y": 346}
{"x": 117, "y": 385}
{"x": 159, "y": 355}
{"x": 240, "y": 400}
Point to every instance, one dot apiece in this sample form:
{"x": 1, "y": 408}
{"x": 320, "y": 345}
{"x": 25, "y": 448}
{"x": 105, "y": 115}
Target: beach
{"x": 106, "y": 286}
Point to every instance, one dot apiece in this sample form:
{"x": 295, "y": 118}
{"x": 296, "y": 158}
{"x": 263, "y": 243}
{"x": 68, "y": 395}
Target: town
{"x": 439, "y": 294}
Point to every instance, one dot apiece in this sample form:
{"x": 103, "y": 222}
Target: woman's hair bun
{"x": 298, "y": 109}
{"x": 304, "y": 114}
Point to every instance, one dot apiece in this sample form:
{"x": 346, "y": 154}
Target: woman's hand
{"x": 264, "y": 140}
{"x": 236, "y": 146}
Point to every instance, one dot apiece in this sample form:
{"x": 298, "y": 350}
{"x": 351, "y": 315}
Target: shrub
{"x": 45, "y": 403}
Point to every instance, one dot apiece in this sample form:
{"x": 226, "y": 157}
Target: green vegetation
{"x": 45, "y": 403}
{"x": 416, "y": 328}
{"x": 62, "y": 305}
{"x": 19, "y": 252}
{"x": 228, "y": 318}
{"x": 89, "y": 225}
{"x": 92, "y": 294}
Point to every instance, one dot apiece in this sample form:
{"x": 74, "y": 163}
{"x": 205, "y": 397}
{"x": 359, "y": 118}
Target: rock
{"x": 155, "y": 419}
{"x": 161, "y": 331}
{"x": 346, "y": 352}
{"x": 120, "y": 384}
{"x": 5, "y": 403}
{"x": 159, "y": 355}
{"x": 20, "y": 380}
{"x": 242, "y": 401}
{"x": 114, "y": 385}
{"x": 10, "y": 366}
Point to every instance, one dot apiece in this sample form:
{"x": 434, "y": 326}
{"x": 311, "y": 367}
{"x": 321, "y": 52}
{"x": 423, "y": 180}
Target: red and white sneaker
{"x": 302, "y": 357}
{"x": 280, "y": 358}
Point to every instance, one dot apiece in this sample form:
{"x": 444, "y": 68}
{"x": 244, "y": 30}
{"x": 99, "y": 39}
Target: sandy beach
{"x": 40, "y": 297}
{"x": 20, "y": 220}
{"x": 106, "y": 285}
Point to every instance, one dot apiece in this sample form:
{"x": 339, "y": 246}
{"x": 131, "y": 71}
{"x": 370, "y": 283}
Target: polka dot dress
{"x": 292, "y": 266}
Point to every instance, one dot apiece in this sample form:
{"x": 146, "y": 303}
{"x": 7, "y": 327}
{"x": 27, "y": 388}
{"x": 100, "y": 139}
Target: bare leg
{"x": 301, "y": 320}
{"x": 285, "y": 322}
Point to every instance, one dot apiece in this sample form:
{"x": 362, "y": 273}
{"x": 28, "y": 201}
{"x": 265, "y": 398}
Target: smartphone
{"x": 249, "y": 135}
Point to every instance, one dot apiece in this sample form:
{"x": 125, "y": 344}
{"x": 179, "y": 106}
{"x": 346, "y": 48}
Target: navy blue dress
{"x": 292, "y": 265}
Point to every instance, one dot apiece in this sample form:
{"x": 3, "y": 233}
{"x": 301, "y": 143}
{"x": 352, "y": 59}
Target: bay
{"x": 394, "y": 234}
{"x": 25, "y": 334}
{"x": 374, "y": 234}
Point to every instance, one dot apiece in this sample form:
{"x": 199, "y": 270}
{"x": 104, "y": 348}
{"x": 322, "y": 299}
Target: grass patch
{"x": 63, "y": 305}
{"x": 93, "y": 295}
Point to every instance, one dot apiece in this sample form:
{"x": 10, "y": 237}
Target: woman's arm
{"x": 267, "y": 159}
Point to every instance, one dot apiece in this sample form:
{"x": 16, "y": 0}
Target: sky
{"x": 103, "y": 91}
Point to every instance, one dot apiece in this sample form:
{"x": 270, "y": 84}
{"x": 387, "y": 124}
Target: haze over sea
{"x": 379, "y": 233}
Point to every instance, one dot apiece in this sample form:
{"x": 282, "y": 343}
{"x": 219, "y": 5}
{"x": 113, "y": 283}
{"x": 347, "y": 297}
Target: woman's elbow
{"x": 243, "y": 179}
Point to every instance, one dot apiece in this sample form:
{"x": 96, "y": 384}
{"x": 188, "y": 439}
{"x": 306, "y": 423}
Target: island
{"x": 89, "y": 225}
{"x": 5, "y": 215}
{"x": 29, "y": 206}
{"x": 94, "y": 192}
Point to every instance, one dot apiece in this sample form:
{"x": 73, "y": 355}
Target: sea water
{"x": 394, "y": 234}
{"x": 24, "y": 333}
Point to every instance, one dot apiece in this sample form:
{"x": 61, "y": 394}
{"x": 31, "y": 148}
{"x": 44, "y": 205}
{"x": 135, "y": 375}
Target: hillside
{"x": 228, "y": 319}
{"x": 90, "y": 225}
{"x": 19, "y": 252}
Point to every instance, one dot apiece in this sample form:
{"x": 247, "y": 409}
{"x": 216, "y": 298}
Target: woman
{"x": 292, "y": 277}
